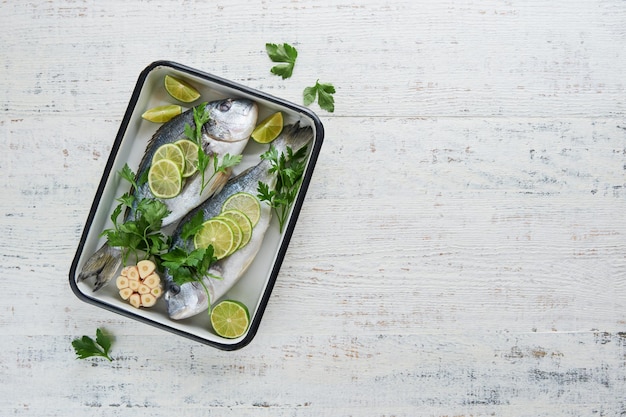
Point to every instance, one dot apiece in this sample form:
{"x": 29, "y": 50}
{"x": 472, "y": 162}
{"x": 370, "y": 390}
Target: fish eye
{"x": 174, "y": 289}
{"x": 225, "y": 105}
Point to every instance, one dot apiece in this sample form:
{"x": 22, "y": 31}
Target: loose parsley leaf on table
{"x": 324, "y": 94}
{"x": 86, "y": 347}
{"x": 289, "y": 169}
{"x": 286, "y": 54}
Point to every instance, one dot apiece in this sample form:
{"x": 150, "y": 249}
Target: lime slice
{"x": 171, "y": 152}
{"x": 237, "y": 233}
{"x": 164, "y": 179}
{"x": 181, "y": 90}
{"x": 230, "y": 319}
{"x": 245, "y": 203}
{"x": 268, "y": 129}
{"x": 190, "y": 151}
{"x": 243, "y": 222}
{"x": 162, "y": 114}
{"x": 217, "y": 233}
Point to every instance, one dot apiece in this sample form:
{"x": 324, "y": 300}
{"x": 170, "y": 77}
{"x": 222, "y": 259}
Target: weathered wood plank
{"x": 528, "y": 374}
{"x": 439, "y": 58}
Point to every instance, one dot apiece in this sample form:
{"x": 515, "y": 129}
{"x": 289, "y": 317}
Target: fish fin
{"x": 102, "y": 265}
{"x": 294, "y": 136}
{"x": 217, "y": 183}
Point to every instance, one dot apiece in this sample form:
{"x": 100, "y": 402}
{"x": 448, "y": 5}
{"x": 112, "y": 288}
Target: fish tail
{"x": 294, "y": 136}
{"x": 102, "y": 265}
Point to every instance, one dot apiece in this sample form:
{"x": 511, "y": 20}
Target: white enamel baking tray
{"x": 255, "y": 287}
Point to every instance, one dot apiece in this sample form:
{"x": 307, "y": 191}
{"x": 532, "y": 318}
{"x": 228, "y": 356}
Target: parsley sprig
{"x": 86, "y": 347}
{"x": 142, "y": 232}
{"x": 289, "y": 169}
{"x": 200, "y": 117}
{"x": 188, "y": 266}
{"x": 286, "y": 55}
{"x": 324, "y": 93}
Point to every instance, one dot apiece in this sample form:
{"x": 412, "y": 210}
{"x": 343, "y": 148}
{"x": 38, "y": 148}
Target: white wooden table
{"x": 462, "y": 248}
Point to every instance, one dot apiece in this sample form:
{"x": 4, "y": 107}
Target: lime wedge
{"x": 190, "y": 151}
{"x": 164, "y": 179}
{"x": 245, "y": 203}
{"x": 162, "y": 114}
{"x": 217, "y": 233}
{"x": 268, "y": 129}
{"x": 243, "y": 222}
{"x": 181, "y": 90}
{"x": 237, "y": 233}
{"x": 171, "y": 152}
{"x": 230, "y": 319}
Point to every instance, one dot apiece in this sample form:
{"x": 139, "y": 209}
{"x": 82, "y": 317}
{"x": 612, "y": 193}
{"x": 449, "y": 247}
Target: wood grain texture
{"x": 461, "y": 249}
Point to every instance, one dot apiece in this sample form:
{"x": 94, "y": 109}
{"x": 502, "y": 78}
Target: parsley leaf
{"x": 86, "y": 347}
{"x": 324, "y": 93}
{"x": 127, "y": 174}
{"x": 142, "y": 232}
{"x": 200, "y": 117}
{"x": 286, "y": 54}
{"x": 228, "y": 161}
{"x": 185, "y": 266}
{"x": 191, "y": 227}
{"x": 289, "y": 169}
{"x": 191, "y": 266}
{"x": 188, "y": 266}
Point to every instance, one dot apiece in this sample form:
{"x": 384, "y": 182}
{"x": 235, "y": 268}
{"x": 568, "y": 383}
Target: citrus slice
{"x": 171, "y": 152}
{"x": 180, "y": 90}
{"x": 230, "y": 319}
{"x": 268, "y": 129}
{"x": 162, "y": 114}
{"x": 243, "y": 222}
{"x": 217, "y": 233}
{"x": 164, "y": 179}
{"x": 245, "y": 203}
{"x": 237, "y": 233}
{"x": 190, "y": 151}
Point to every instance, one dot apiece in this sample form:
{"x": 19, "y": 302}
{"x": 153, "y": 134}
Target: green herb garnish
{"x": 142, "y": 232}
{"x": 289, "y": 169}
{"x": 189, "y": 266}
{"x": 86, "y": 347}
{"x": 200, "y": 117}
{"x": 286, "y": 54}
{"x": 324, "y": 93}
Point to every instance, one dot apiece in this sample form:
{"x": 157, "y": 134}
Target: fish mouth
{"x": 177, "y": 315}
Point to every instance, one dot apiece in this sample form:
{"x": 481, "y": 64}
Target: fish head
{"x": 185, "y": 300}
{"x": 231, "y": 120}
